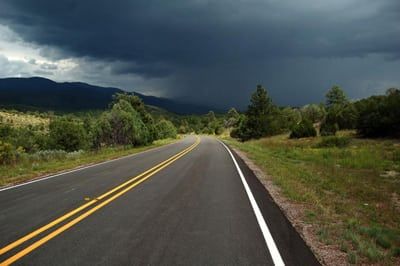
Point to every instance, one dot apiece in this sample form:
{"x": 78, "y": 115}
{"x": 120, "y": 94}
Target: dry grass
{"x": 351, "y": 194}
{"x": 18, "y": 119}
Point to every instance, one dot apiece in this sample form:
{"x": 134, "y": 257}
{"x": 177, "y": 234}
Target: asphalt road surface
{"x": 188, "y": 203}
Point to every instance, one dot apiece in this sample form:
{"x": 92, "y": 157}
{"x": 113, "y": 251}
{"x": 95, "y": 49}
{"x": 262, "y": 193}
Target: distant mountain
{"x": 45, "y": 94}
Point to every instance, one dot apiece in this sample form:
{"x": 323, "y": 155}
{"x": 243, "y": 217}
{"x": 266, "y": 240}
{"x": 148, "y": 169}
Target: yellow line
{"x": 152, "y": 170}
{"x": 84, "y": 215}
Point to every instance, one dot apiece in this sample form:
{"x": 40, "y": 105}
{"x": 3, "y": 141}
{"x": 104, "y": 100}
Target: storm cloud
{"x": 215, "y": 52}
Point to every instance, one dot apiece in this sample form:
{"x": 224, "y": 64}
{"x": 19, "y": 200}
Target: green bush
{"x": 303, "y": 130}
{"x": 218, "y": 130}
{"x": 328, "y": 128}
{"x": 379, "y": 116}
{"x": 5, "y": 130}
{"x": 7, "y": 153}
{"x": 165, "y": 129}
{"x": 66, "y": 134}
{"x": 121, "y": 126}
{"x": 334, "y": 141}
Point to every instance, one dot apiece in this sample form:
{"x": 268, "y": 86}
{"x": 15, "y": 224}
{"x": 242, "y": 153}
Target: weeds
{"x": 334, "y": 141}
{"x": 346, "y": 185}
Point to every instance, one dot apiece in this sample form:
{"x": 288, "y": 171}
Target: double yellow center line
{"x": 101, "y": 200}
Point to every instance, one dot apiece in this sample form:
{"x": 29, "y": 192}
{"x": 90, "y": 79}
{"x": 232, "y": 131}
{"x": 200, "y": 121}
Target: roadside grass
{"x": 351, "y": 194}
{"x": 49, "y": 162}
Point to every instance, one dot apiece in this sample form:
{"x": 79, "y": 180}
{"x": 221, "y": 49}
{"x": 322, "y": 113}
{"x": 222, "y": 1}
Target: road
{"x": 191, "y": 208}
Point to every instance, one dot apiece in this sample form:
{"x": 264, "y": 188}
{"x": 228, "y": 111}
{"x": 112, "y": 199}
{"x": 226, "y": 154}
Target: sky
{"x": 208, "y": 52}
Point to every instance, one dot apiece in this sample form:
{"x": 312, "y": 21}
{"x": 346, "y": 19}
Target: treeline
{"x": 209, "y": 123}
{"x": 376, "y": 116}
{"x": 126, "y": 123}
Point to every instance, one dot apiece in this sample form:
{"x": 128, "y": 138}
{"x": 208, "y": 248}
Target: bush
{"x": 218, "y": 130}
{"x": 379, "y": 116}
{"x": 67, "y": 135}
{"x": 235, "y": 133}
{"x": 25, "y": 138}
{"x": 304, "y": 129}
{"x": 165, "y": 129}
{"x": 333, "y": 141}
{"x": 121, "y": 126}
{"x": 328, "y": 129}
{"x": 7, "y": 153}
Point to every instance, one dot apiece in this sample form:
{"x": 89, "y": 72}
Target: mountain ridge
{"x": 46, "y": 94}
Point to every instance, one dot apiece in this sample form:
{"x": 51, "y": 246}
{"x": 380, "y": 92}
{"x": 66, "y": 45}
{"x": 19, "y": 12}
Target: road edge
{"x": 78, "y": 168}
{"x": 269, "y": 240}
{"x": 326, "y": 255}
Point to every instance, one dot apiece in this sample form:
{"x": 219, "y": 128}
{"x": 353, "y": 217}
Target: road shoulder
{"x": 326, "y": 255}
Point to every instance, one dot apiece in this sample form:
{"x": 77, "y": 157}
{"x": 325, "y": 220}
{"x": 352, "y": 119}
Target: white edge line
{"x": 273, "y": 250}
{"x": 39, "y": 179}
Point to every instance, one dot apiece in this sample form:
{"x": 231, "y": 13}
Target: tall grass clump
{"x": 334, "y": 141}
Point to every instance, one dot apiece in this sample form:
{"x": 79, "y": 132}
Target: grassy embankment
{"x": 48, "y": 162}
{"x": 351, "y": 195}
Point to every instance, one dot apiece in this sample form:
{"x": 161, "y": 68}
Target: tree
{"x": 335, "y": 96}
{"x": 139, "y": 106}
{"x": 379, "y": 116}
{"x": 285, "y": 119}
{"x": 232, "y": 118}
{"x": 258, "y": 114}
{"x": 341, "y": 112}
{"x": 122, "y": 125}
{"x": 184, "y": 127}
{"x": 313, "y": 112}
{"x": 210, "y": 117}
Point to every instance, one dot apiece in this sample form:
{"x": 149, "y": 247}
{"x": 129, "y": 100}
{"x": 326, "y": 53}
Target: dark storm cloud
{"x": 214, "y": 49}
{"x": 147, "y": 70}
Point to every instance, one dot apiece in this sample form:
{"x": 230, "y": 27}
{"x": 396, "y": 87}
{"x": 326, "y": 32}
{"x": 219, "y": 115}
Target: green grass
{"x": 351, "y": 194}
{"x": 35, "y": 166}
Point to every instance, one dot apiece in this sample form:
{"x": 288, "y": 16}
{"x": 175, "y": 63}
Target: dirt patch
{"x": 326, "y": 254}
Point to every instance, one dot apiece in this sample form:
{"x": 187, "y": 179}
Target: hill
{"x": 44, "y": 94}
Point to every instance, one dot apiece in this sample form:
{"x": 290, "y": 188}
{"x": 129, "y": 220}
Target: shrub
{"x": 67, "y": 135}
{"x": 328, "y": 129}
{"x": 333, "y": 141}
{"x": 5, "y": 130}
{"x": 235, "y": 133}
{"x": 304, "y": 129}
{"x": 379, "y": 116}
{"x": 122, "y": 126}
{"x": 7, "y": 153}
{"x": 165, "y": 129}
{"x": 25, "y": 138}
{"x": 218, "y": 130}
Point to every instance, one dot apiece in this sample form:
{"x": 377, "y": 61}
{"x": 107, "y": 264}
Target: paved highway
{"x": 188, "y": 203}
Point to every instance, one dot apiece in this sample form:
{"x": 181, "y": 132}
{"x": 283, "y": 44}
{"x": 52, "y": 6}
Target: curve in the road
{"x": 101, "y": 202}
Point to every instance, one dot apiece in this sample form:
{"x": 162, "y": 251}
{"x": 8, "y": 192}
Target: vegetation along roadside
{"x": 35, "y": 144}
{"x": 338, "y": 161}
